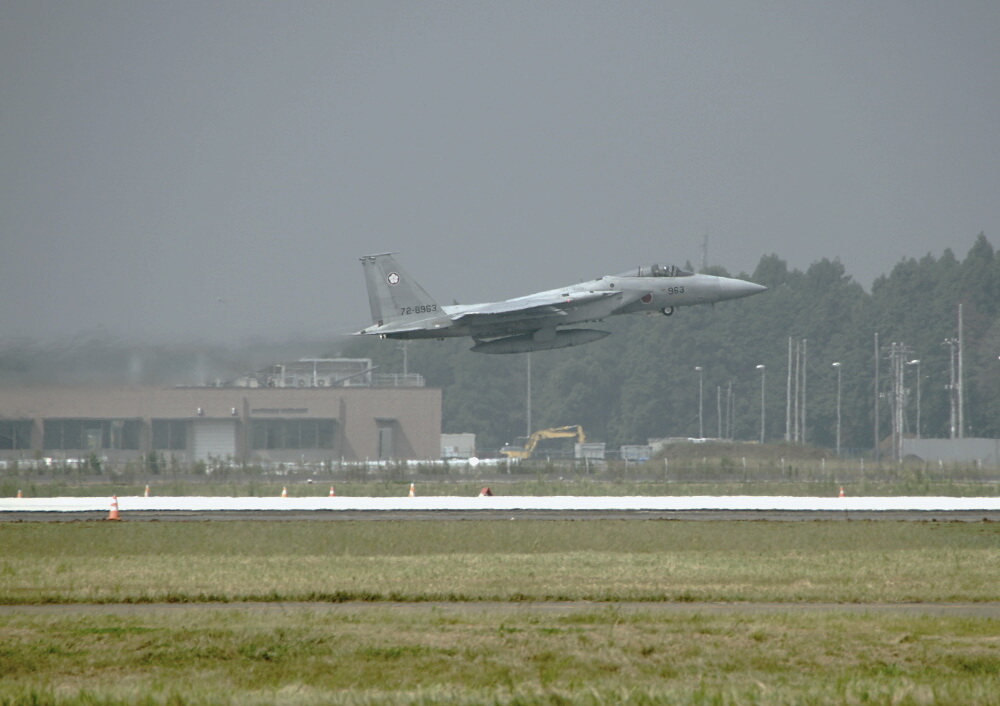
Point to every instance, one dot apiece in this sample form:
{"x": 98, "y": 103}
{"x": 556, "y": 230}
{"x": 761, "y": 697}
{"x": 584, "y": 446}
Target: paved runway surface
{"x": 782, "y": 508}
{"x": 441, "y": 515}
{"x": 562, "y": 503}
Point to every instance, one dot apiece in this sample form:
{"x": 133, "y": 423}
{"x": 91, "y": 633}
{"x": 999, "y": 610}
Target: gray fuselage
{"x": 622, "y": 295}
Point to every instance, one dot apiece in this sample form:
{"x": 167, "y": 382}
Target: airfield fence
{"x": 687, "y": 471}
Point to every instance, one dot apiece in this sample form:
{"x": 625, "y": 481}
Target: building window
{"x": 125, "y": 434}
{"x": 170, "y": 434}
{"x": 291, "y": 434}
{"x": 15, "y": 434}
{"x": 91, "y": 434}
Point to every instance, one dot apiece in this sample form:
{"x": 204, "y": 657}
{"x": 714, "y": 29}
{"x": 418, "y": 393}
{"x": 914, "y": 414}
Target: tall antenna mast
{"x": 952, "y": 387}
{"x": 961, "y": 378}
{"x": 788, "y": 396}
{"x": 804, "y": 371}
{"x": 878, "y": 452}
{"x": 528, "y": 414}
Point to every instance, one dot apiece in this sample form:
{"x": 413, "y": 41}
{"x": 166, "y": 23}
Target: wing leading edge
{"x": 534, "y": 306}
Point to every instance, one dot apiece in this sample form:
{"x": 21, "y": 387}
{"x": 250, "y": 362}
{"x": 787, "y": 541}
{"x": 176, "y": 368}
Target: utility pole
{"x": 897, "y": 403}
{"x": 761, "y": 369}
{"x": 878, "y": 452}
{"x": 961, "y": 379}
{"x": 904, "y": 393}
{"x": 795, "y": 411}
{"x": 701, "y": 428}
{"x": 952, "y": 419}
{"x": 837, "y": 366}
{"x": 798, "y": 359}
{"x": 718, "y": 409}
{"x": 729, "y": 411}
{"x": 529, "y": 395}
{"x": 917, "y": 363}
{"x": 805, "y": 350}
{"x": 898, "y": 353}
{"x": 788, "y": 396}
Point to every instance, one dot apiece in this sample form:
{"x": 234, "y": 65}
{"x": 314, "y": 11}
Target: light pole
{"x": 837, "y": 366}
{"x": 701, "y": 429}
{"x": 718, "y": 411}
{"x": 761, "y": 369}
{"x": 951, "y": 387}
{"x": 528, "y": 411}
{"x": 917, "y": 363}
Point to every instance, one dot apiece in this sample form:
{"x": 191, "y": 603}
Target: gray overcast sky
{"x": 212, "y": 170}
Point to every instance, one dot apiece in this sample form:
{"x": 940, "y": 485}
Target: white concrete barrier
{"x": 579, "y": 503}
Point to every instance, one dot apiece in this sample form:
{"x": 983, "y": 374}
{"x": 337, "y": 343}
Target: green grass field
{"x": 612, "y": 560}
{"x": 591, "y": 655}
{"x": 474, "y": 612}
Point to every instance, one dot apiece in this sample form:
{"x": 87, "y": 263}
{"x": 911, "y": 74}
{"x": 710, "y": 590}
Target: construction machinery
{"x": 524, "y": 447}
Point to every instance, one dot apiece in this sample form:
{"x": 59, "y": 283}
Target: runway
{"x": 513, "y": 507}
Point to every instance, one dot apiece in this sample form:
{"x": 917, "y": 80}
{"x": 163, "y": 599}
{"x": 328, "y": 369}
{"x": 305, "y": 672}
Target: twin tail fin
{"x": 392, "y": 294}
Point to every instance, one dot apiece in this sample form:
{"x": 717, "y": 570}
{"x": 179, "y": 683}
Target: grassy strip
{"x": 510, "y": 487}
{"x": 499, "y": 561}
{"x": 496, "y": 656}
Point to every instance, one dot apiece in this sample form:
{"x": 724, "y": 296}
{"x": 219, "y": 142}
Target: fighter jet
{"x": 401, "y": 308}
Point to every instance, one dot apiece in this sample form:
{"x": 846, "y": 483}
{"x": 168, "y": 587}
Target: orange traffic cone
{"x": 113, "y": 515}
{"x": 485, "y": 492}
{"x": 841, "y": 491}
{"x": 146, "y": 493}
{"x": 333, "y": 494}
{"x": 19, "y": 494}
{"x": 413, "y": 490}
{"x": 284, "y": 492}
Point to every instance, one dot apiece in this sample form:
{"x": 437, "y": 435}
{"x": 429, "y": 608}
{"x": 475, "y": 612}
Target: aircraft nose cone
{"x": 737, "y": 288}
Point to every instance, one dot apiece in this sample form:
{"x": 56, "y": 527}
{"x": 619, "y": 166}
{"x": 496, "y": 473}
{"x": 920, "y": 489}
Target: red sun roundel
{"x": 646, "y": 298}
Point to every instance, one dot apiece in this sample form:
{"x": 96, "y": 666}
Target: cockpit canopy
{"x": 657, "y": 271}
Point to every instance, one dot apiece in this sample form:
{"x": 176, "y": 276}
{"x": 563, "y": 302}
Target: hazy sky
{"x": 210, "y": 170}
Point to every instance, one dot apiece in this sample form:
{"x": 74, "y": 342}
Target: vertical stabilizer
{"x": 392, "y": 293}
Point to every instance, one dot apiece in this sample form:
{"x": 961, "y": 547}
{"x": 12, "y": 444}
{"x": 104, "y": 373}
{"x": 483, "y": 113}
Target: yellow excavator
{"x": 524, "y": 447}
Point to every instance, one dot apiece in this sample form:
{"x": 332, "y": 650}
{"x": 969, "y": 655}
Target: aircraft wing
{"x": 538, "y": 306}
{"x": 407, "y": 325}
{"x": 545, "y": 307}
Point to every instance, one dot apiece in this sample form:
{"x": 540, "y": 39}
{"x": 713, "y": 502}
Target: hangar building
{"x": 310, "y": 422}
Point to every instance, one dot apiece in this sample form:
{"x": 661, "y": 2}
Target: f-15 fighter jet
{"x": 401, "y": 308}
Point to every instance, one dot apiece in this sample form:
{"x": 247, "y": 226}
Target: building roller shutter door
{"x": 214, "y": 438}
